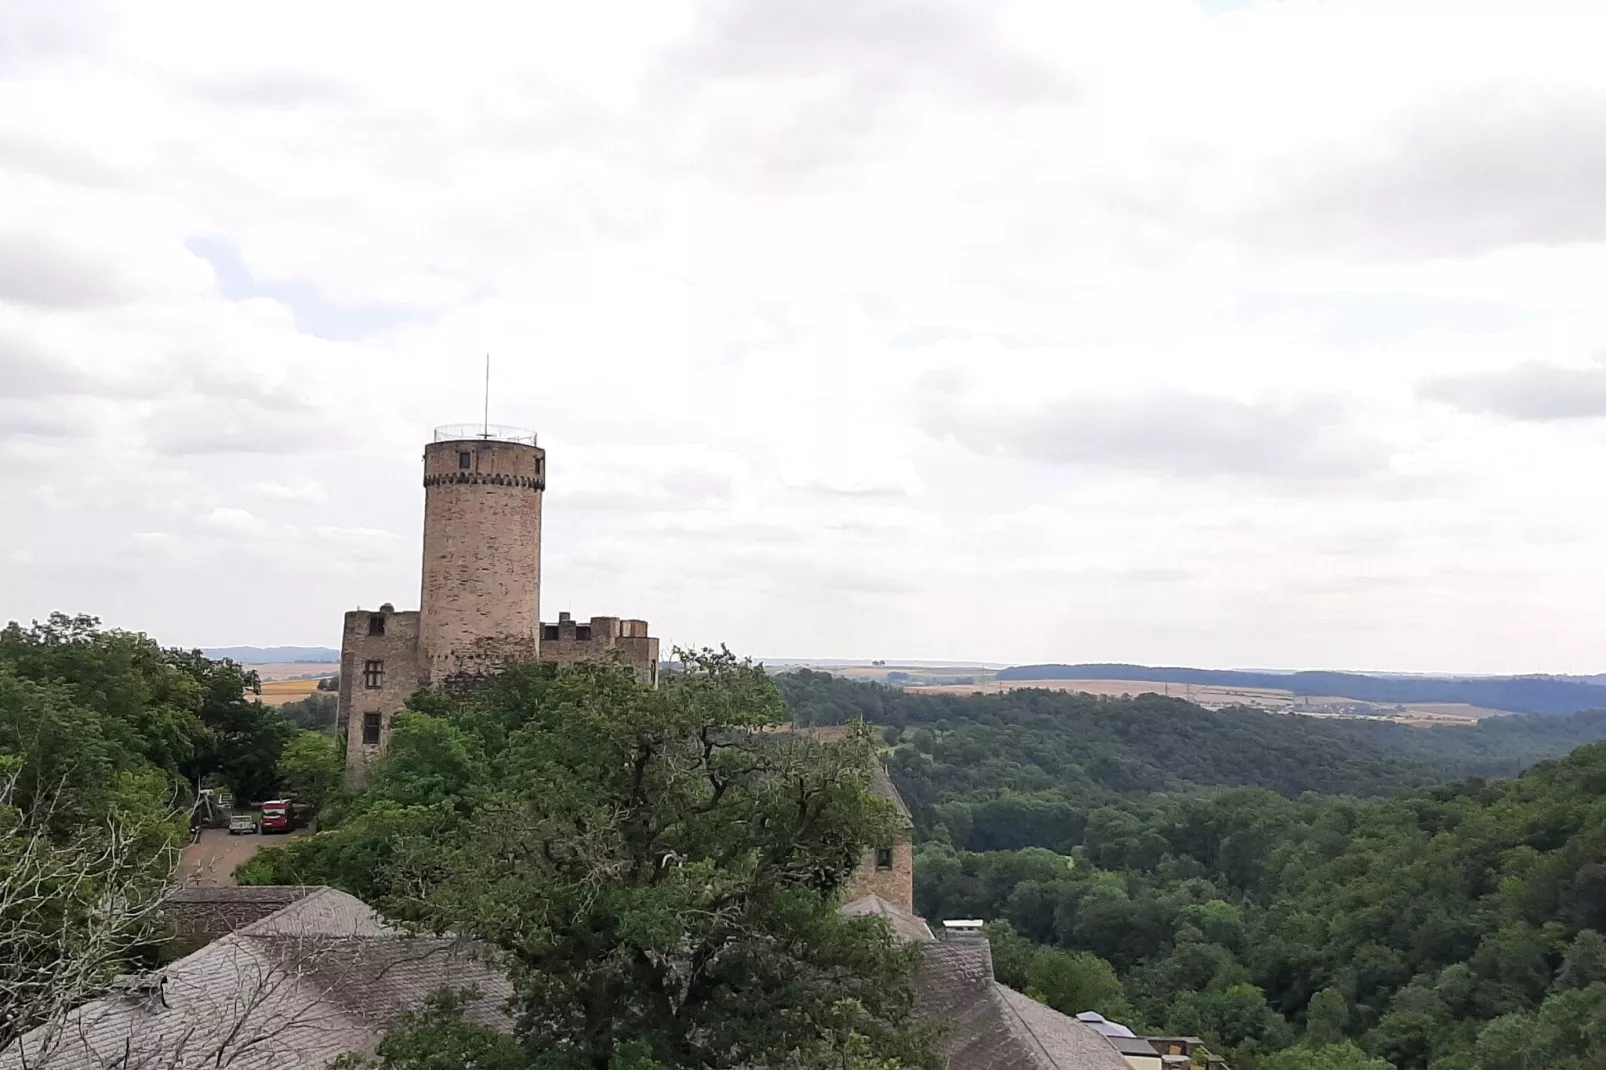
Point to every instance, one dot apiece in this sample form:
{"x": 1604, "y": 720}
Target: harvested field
{"x": 288, "y": 670}
{"x": 278, "y": 692}
{"x": 1204, "y": 695}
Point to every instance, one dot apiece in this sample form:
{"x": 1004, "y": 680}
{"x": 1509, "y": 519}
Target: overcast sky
{"x": 1213, "y": 333}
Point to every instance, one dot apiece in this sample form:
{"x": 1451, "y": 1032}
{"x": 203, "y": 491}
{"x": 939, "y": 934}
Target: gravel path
{"x": 210, "y": 861}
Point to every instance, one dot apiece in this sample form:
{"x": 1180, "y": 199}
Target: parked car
{"x": 242, "y": 825}
{"x": 279, "y": 815}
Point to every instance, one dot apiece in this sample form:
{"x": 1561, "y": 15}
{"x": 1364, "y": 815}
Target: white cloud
{"x": 1248, "y": 338}
{"x": 238, "y": 521}
{"x": 310, "y": 491}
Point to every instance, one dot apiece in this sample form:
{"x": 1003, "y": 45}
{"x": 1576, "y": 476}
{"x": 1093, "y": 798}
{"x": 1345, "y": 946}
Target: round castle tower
{"x": 481, "y": 599}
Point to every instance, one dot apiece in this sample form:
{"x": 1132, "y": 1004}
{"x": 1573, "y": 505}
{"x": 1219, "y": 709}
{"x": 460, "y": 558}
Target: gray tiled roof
{"x": 882, "y": 786}
{"x": 1064, "y": 1041}
{"x": 991, "y": 1026}
{"x": 906, "y": 926}
{"x": 315, "y": 980}
{"x": 229, "y": 893}
{"x": 324, "y": 976}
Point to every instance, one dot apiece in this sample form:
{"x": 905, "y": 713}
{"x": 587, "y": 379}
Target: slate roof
{"x": 325, "y": 976}
{"x": 319, "y": 978}
{"x": 881, "y": 785}
{"x": 992, "y": 1027}
{"x": 906, "y": 926}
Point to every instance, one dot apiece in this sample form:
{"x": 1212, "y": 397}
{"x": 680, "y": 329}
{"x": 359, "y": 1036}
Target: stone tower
{"x": 481, "y": 598}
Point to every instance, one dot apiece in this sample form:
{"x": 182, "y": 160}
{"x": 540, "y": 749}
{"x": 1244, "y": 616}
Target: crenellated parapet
{"x": 486, "y": 479}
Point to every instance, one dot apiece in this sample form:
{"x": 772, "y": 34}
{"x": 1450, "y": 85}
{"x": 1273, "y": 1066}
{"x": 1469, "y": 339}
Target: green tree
{"x": 1325, "y": 1057}
{"x": 243, "y": 738}
{"x": 316, "y": 712}
{"x": 660, "y": 869}
{"x": 310, "y": 768}
{"x": 1327, "y": 1018}
{"x": 1585, "y": 962}
{"x": 1075, "y": 981}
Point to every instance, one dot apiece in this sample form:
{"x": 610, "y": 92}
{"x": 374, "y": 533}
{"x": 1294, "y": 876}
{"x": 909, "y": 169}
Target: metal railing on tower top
{"x": 484, "y": 433}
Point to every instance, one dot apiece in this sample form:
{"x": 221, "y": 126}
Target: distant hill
{"x": 271, "y": 655}
{"x": 1516, "y": 694}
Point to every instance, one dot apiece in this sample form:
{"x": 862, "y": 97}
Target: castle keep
{"x": 480, "y": 604}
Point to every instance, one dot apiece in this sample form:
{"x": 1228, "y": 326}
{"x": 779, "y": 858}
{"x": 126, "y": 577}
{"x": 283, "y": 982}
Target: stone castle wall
{"x": 602, "y": 638}
{"x": 481, "y": 596}
{"x": 896, "y": 885}
{"x": 396, "y": 650}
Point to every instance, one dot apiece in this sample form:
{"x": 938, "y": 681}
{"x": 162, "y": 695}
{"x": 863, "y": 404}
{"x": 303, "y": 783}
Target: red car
{"x": 278, "y": 815}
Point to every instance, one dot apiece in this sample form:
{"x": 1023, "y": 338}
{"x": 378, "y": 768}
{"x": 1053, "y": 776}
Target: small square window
{"x": 370, "y": 727}
{"x": 465, "y": 460}
{"x": 883, "y": 858}
{"x": 376, "y": 625}
{"x": 373, "y": 674}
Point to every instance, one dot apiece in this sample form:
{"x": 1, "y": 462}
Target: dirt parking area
{"x": 210, "y": 861}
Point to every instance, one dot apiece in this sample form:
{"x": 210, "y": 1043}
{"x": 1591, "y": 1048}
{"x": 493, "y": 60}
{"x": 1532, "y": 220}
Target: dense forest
{"x": 1024, "y": 768}
{"x": 1515, "y": 694}
{"x": 1293, "y": 889}
{"x": 1458, "y": 928}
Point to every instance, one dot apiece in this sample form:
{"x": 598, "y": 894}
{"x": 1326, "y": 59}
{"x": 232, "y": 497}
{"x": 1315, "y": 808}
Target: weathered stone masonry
{"x": 480, "y": 596}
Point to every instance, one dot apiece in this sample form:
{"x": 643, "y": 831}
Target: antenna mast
{"x": 486, "y": 433}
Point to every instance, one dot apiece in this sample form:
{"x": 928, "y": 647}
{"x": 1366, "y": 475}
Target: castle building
{"x": 480, "y": 603}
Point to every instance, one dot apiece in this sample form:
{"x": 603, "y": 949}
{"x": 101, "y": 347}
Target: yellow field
{"x": 278, "y": 692}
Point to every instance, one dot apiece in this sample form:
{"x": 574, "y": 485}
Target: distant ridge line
{"x": 1514, "y": 694}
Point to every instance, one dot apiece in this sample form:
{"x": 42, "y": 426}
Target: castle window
{"x": 549, "y": 633}
{"x": 373, "y": 674}
{"x": 464, "y": 460}
{"x": 376, "y": 625}
{"x": 582, "y": 632}
{"x": 370, "y": 727}
{"x": 883, "y": 858}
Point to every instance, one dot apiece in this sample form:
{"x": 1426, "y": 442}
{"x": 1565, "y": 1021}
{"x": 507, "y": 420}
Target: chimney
{"x": 963, "y": 929}
{"x": 563, "y": 616}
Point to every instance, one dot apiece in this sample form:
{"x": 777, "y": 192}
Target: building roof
{"x": 907, "y": 927}
{"x": 881, "y": 785}
{"x": 1133, "y": 1046}
{"x": 324, "y": 975}
{"x": 993, "y": 1027}
{"x": 319, "y": 978}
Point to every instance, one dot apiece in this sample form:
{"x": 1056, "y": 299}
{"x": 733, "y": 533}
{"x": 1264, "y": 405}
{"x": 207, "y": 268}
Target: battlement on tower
{"x": 599, "y": 639}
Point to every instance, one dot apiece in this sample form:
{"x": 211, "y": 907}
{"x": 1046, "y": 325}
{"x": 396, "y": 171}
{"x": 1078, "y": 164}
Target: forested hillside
{"x": 1518, "y": 694}
{"x": 1024, "y": 768}
{"x": 1458, "y": 928}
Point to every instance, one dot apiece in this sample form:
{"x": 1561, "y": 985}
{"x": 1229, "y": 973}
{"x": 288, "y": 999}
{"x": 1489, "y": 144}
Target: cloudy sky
{"x": 1174, "y": 331}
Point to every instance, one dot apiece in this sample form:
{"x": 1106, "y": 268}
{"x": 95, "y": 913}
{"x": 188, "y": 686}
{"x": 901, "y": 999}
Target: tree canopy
{"x": 1456, "y": 927}
{"x": 659, "y": 869}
